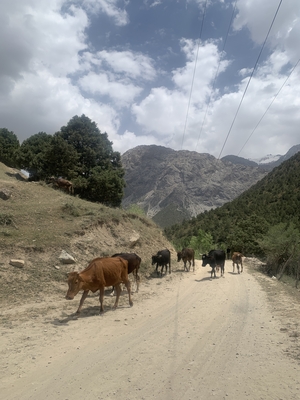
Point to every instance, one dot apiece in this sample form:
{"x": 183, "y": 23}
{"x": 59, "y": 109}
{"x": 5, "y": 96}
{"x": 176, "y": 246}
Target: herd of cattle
{"x": 112, "y": 271}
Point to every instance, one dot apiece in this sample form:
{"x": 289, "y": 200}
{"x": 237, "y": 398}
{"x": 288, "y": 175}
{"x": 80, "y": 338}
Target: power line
{"x": 217, "y": 71}
{"x": 250, "y": 79}
{"x": 270, "y": 105}
{"x": 189, "y": 103}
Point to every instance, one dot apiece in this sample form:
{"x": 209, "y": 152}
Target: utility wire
{"x": 250, "y": 79}
{"x": 270, "y": 105}
{"x": 217, "y": 72}
{"x": 189, "y": 103}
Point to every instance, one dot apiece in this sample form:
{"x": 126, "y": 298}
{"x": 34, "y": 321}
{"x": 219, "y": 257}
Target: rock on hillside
{"x": 175, "y": 185}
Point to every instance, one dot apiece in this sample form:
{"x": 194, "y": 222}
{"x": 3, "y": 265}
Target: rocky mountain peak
{"x": 172, "y": 185}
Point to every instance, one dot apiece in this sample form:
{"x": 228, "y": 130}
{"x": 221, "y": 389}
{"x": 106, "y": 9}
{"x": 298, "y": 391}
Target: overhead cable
{"x": 274, "y": 98}
{"x": 249, "y": 80}
{"x": 217, "y": 72}
{"x": 190, "y": 96}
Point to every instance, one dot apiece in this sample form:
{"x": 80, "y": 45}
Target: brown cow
{"x": 237, "y": 259}
{"x": 187, "y": 255}
{"x": 100, "y": 273}
{"x": 64, "y": 184}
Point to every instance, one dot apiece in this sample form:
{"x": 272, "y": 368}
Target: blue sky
{"x": 155, "y": 72}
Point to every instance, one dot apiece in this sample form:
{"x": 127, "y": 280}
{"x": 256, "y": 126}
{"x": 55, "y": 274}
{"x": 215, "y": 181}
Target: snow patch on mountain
{"x": 266, "y": 159}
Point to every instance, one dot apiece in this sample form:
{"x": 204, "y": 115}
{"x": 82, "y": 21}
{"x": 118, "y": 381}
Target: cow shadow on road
{"x": 208, "y": 278}
{"x": 87, "y": 312}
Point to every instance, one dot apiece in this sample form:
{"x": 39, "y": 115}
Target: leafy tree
{"x": 92, "y": 146}
{"x": 78, "y": 152}
{"x": 282, "y": 246}
{"x": 9, "y": 144}
{"x": 105, "y": 186}
{"x": 202, "y": 243}
{"x": 31, "y": 155}
{"x": 97, "y": 174}
{"x": 60, "y": 158}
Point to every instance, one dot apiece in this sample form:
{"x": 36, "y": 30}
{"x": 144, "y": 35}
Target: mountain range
{"x": 171, "y": 186}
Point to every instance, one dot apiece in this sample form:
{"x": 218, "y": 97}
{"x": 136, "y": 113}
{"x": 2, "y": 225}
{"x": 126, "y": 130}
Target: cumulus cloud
{"x": 121, "y": 92}
{"x": 128, "y": 140}
{"x": 286, "y": 27}
{"x": 108, "y": 7}
{"x": 133, "y": 65}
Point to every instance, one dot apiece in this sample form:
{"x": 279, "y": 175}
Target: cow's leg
{"x": 127, "y": 284}
{"x": 233, "y": 267}
{"x": 242, "y": 266}
{"x": 222, "y": 269}
{"x": 83, "y": 297}
{"x": 193, "y": 264}
{"x": 101, "y": 298}
{"x": 238, "y": 267}
{"x": 118, "y": 292}
{"x": 156, "y": 269}
{"x": 137, "y": 281}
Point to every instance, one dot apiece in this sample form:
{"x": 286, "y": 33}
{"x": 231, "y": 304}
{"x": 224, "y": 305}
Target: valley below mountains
{"x": 172, "y": 186}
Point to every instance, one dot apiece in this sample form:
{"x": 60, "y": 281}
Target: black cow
{"x": 162, "y": 259}
{"x": 214, "y": 258}
{"x": 228, "y": 251}
{"x": 187, "y": 255}
{"x": 134, "y": 263}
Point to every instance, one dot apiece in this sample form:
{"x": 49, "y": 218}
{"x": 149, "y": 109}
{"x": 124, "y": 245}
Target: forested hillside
{"x": 269, "y": 209}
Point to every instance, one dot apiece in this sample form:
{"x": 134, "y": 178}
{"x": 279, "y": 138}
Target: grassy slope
{"x": 38, "y": 222}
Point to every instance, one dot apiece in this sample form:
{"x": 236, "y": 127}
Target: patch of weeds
{"x": 90, "y": 213}
{"x": 6, "y": 219}
{"x": 71, "y": 209}
{"x": 135, "y": 209}
{"x": 5, "y": 233}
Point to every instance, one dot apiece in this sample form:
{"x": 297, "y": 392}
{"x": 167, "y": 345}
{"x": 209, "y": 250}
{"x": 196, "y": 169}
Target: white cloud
{"x": 51, "y": 103}
{"x": 122, "y": 92}
{"x": 108, "y": 7}
{"x": 43, "y": 49}
{"x": 162, "y": 111}
{"x": 128, "y": 63}
{"x": 258, "y": 15}
{"x": 129, "y": 140}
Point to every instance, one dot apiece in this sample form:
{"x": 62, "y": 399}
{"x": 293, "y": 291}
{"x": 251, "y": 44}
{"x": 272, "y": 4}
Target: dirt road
{"x": 186, "y": 337}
